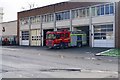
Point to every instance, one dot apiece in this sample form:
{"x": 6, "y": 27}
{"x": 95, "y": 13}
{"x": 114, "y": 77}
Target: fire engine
{"x": 65, "y": 39}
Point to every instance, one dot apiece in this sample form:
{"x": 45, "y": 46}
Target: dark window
{"x": 102, "y": 10}
{"x": 103, "y": 32}
{"x": 25, "y": 35}
{"x": 107, "y": 9}
{"x": 111, "y": 9}
{"x": 98, "y": 10}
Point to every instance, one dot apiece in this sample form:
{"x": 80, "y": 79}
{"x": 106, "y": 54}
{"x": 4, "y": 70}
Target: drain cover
{"x": 3, "y": 71}
{"x": 53, "y": 70}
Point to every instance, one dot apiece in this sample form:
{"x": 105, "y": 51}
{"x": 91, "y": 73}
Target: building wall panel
{"x": 83, "y": 21}
{"x": 10, "y": 28}
{"x": 103, "y": 19}
{"x": 25, "y": 27}
{"x": 63, "y": 23}
{"x": 35, "y": 26}
{"x": 48, "y": 25}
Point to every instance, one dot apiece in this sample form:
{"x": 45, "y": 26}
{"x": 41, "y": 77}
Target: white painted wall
{"x": 104, "y": 43}
{"x": 10, "y": 28}
{"x": 24, "y": 27}
{"x": 25, "y": 42}
{"x": 63, "y": 23}
{"x": 48, "y": 25}
{"x": 35, "y": 26}
{"x": 80, "y": 21}
{"x": 103, "y": 19}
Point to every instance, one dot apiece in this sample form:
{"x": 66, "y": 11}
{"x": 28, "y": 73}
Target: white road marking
{"x": 10, "y": 49}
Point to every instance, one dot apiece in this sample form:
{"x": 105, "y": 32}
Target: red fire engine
{"x": 65, "y": 38}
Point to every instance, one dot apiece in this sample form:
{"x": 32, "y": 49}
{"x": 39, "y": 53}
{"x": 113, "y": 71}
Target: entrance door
{"x": 103, "y": 36}
{"x": 86, "y": 30}
{"x": 44, "y": 35}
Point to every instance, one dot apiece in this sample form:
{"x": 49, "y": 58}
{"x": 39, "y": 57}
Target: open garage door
{"x": 44, "y": 35}
{"x": 86, "y": 30}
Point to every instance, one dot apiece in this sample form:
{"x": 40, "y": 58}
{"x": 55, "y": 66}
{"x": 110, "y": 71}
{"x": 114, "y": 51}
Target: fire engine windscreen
{"x": 53, "y": 36}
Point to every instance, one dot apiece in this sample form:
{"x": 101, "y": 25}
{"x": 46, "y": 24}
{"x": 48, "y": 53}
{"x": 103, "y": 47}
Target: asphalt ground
{"x": 83, "y": 52}
{"x": 41, "y": 62}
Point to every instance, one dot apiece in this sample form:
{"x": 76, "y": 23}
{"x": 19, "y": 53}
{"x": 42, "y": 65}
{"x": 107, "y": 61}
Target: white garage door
{"x": 103, "y": 36}
{"x": 25, "y": 38}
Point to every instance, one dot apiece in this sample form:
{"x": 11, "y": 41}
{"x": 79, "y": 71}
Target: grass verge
{"x": 110, "y": 52}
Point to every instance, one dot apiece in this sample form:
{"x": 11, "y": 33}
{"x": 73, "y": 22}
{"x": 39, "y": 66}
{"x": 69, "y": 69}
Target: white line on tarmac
{"x": 99, "y": 71}
{"x": 10, "y": 49}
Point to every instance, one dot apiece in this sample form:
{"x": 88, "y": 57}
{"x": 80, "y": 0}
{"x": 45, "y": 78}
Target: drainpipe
{"x": 29, "y": 31}
{"x": 41, "y": 31}
{"x": 91, "y": 31}
{"x": 71, "y": 28}
{"x": 55, "y": 28}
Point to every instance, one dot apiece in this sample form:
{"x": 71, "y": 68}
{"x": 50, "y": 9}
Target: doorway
{"x": 84, "y": 29}
{"x": 44, "y": 35}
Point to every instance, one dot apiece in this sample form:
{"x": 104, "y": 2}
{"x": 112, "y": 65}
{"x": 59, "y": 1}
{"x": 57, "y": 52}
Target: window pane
{"x": 107, "y": 9}
{"x": 68, "y": 15}
{"x": 103, "y": 32}
{"x": 93, "y": 11}
{"x": 81, "y": 13}
{"x": 73, "y": 14}
{"x": 84, "y": 12}
{"x": 102, "y": 10}
{"x": 87, "y": 12}
{"x": 57, "y": 16}
{"x": 111, "y": 9}
{"x": 98, "y": 10}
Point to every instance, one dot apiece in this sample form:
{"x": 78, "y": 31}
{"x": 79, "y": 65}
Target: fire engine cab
{"x": 65, "y": 38}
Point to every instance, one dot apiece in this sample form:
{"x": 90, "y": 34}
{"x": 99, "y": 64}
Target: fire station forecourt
{"x": 109, "y": 54}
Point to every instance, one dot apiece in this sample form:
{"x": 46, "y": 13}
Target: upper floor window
{"x": 107, "y": 9}
{"x": 103, "y": 10}
{"x": 75, "y": 13}
{"x": 48, "y": 18}
{"x": 111, "y": 9}
{"x": 80, "y": 13}
{"x": 24, "y": 21}
{"x": 63, "y": 15}
{"x": 93, "y": 10}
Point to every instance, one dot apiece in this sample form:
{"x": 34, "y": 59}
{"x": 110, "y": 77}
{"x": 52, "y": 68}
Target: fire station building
{"x": 99, "y": 20}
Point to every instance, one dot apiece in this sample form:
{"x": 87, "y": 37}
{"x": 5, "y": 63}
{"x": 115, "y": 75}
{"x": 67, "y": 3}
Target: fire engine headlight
{"x": 54, "y": 44}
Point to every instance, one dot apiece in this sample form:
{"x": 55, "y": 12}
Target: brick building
{"x": 100, "y": 21}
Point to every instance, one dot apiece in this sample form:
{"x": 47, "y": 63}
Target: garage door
{"x": 103, "y": 36}
{"x": 35, "y": 38}
{"x": 25, "y": 38}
